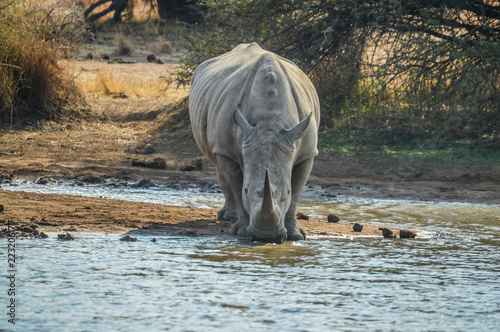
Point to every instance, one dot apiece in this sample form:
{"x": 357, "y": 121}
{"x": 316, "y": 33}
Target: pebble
{"x": 357, "y": 227}
{"x": 405, "y": 234}
{"x": 45, "y": 180}
{"x": 187, "y": 168}
{"x": 65, "y": 237}
{"x": 91, "y": 179}
{"x": 333, "y": 218}
{"x": 145, "y": 183}
{"x": 302, "y": 216}
{"x": 128, "y": 238}
{"x": 387, "y": 233}
{"x": 156, "y": 163}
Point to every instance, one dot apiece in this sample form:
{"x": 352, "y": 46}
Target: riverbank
{"x": 50, "y": 213}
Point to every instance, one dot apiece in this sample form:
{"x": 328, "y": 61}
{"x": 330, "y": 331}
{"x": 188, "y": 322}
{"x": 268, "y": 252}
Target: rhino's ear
{"x": 299, "y": 130}
{"x": 240, "y": 120}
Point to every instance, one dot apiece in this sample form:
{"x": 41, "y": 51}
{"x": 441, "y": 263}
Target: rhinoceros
{"x": 255, "y": 116}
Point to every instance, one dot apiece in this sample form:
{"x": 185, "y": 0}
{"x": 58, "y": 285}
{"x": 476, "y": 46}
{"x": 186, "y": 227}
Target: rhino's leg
{"x": 300, "y": 174}
{"x": 231, "y": 178}
{"x": 229, "y": 211}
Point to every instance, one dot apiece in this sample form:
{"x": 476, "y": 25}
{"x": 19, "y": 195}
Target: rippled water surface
{"x": 442, "y": 283}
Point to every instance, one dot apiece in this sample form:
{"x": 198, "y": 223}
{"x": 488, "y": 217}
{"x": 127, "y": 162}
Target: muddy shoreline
{"x": 52, "y": 213}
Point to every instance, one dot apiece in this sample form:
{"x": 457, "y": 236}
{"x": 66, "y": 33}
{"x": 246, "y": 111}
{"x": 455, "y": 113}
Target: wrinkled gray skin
{"x": 255, "y": 116}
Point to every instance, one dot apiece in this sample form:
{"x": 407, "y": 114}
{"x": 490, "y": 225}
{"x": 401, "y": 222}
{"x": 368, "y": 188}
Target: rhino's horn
{"x": 242, "y": 122}
{"x": 267, "y": 203}
{"x": 299, "y": 130}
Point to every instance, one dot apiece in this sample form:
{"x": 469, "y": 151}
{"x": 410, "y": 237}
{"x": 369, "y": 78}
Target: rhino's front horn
{"x": 267, "y": 203}
{"x": 299, "y": 130}
{"x": 242, "y": 122}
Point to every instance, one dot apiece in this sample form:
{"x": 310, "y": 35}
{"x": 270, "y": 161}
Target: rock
{"x": 151, "y": 58}
{"x": 45, "y": 180}
{"x": 197, "y": 165}
{"x": 20, "y": 231}
{"x": 6, "y": 179}
{"x": 65, "y": 237}
{"x": 91, "y": 179}
{"x": 188, "y": 168}
{"x": 42, "y": 235}
{"x": 157, "y": 163}
{"x": 128, "y": 238}
{"x": 387, "y": 233}
{"x": 405, "y": 234}
{"x": 302, "y": 216}
{"x": 27, "y": 229}
{"x": 90, "y": 56}
{"x": 357, "y": 227}
{"x": 138, "y": 163}
{"x": 153, "y": 240}
{"x": 333, "y": 218}
{"x": 105, "y": 56}
{"x": 144, "y": 183}
{"x": 149, "y": 149}
{"x": 160, "y": 61}
{"x": 1, "y": 208}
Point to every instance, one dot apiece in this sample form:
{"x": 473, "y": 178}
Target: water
{"x": 439, "y": 283}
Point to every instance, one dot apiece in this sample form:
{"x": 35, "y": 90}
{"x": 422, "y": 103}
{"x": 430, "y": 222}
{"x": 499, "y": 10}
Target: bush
{"x": 33, "y": 85}
{"x": 395, "y": 70}
{"x": 163, "y": 47}
{"x": 123, "y": 46}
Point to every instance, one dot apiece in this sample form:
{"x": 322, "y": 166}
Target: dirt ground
{"x": 123, "y": 145}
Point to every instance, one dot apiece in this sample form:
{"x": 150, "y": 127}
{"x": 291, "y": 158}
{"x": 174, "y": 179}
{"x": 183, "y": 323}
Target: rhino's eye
{"x": 288, "y": 191}
{"x": 246, "y": 191}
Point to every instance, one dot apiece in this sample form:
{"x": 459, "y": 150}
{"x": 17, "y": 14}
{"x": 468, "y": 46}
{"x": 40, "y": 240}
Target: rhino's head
{"x": 268, "y": 156}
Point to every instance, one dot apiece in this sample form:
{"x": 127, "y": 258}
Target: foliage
{"x": 396, "y": 69}
{"x": 33, "y": 85}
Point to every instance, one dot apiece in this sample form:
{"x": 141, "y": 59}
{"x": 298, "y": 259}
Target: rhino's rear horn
{"x": 242, "y": 122}
{"x": 299, "y": 130}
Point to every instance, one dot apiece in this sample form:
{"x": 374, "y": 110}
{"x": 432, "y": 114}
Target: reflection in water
{"x": 98, "y": 283}
{"x": 287, "y": 254}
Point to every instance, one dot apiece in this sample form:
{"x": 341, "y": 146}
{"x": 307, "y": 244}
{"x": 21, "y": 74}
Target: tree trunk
{"x": 184, "y": 10}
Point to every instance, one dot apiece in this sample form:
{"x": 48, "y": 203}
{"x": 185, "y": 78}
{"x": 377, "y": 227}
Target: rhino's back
{"x": 239, "y": 77}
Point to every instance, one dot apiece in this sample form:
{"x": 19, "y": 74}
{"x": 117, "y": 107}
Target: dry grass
{"x": 163, "y": 47}
{"x": 134, "y": 80}
{"x": 123, "y": 45}
{"x": 32, "y": 84}
{"x": 105, "y": 83}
